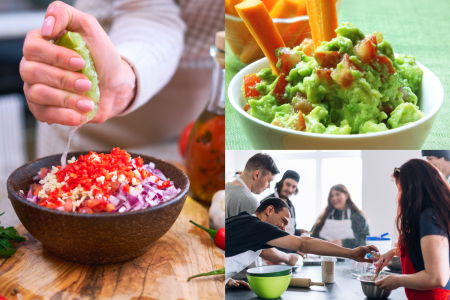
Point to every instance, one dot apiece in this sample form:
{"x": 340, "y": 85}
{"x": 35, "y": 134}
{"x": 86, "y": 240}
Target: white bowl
{"x": 262, "y": 135}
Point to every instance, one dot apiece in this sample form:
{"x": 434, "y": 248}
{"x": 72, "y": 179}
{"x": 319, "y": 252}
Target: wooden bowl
{"x": 103, "y": 238}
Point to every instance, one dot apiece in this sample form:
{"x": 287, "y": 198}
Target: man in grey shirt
{"x": 258, "y": 173}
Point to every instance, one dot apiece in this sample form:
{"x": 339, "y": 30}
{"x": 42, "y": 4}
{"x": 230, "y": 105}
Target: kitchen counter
{"x": 345, "y": 287}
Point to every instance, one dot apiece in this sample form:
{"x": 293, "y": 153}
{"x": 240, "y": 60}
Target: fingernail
{"x": 82, "y": 85}
{"x": 76, "y": 63}
{"x": 47, "y": 27}
{"x": 83, "y": 119}
{"x": 85, "y": 105}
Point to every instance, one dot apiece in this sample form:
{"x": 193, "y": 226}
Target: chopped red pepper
{"x": 280, "y": 89}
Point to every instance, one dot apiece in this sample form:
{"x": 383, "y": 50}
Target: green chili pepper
{"x": 74, "y": 41}
{"x": 216, "y": 272}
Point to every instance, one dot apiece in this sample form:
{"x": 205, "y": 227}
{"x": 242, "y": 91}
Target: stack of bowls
{"x": 269, "y": 282}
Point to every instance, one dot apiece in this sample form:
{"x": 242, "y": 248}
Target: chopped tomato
{"x": 51, "y": 205}
{"x": 68, "y": 206}
{"x": 289, "y": 59}
{"x": 301, "y": 125}
{"x": 307, "y": 47}
{"x": 327, "y": 59}
{"x": 348, "y": 64}
{"x": 367, "y": 49}
{"x": 246, "y": 107}
{"x": 126, "y": 188}
{"x": 343, "y": 77}
{"x": 324, "y": 74}
{"x": 280, "y": 88}
{"x": 250, "y": 82}
{"x": 139, "y": 162}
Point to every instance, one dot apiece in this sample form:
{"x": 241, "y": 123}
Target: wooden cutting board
{"x": 161, "y": 273}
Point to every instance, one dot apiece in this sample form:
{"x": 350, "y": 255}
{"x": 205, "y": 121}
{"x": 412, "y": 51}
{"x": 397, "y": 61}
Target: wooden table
{"x": 161, "y": 273}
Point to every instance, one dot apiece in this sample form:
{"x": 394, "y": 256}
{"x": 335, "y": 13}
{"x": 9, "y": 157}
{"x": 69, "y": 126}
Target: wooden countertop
{"x": 161, "y": 273}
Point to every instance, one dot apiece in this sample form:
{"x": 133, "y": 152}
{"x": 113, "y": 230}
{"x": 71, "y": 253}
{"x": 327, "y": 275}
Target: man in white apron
{"x": 256, "y": 177}
{"x": 440, "y": 159}
{"x": 247, "y": 235}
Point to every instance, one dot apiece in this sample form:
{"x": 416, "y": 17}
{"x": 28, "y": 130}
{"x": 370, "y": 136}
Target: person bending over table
{"x": 247, "y": 235}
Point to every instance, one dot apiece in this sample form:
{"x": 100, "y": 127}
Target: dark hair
{"x": 421, "y": 187}
{"x": 277, "y": 203}
{"x": 262, "y": 162}
{"x": 279, "y": 186}
{"x": 323, "y": 217}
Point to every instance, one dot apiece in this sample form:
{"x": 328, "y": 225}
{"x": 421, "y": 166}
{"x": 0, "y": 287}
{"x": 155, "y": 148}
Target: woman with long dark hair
{"x": 423, "y": 224}
{"x": 342, "y": 222}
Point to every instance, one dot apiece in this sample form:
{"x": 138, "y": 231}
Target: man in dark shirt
{"x": 440, "y": 159}
{"x": 247, "y": 235}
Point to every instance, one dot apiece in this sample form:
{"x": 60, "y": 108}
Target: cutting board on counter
{"x": 161, "y": 273}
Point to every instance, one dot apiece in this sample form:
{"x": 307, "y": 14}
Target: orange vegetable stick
{"x": 322, "y": 19}
{"x": 285, "y": 9}
{"x": 260, "y": 24}
{"x": 269, "y": 4}
{"x": 251, "y": 52}
{"x": 236, "y": 34}
{"x": 306, "y": 34}
{"x": 301, "y": 10}
{"x": 229, "y": 6}
{"x": 294, "y": 32}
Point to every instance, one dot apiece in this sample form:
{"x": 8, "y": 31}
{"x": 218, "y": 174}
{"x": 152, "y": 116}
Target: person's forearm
{"x": 275, "y": 256}
{"x": 420, "y": 281}
{"x": 320, "y": 247}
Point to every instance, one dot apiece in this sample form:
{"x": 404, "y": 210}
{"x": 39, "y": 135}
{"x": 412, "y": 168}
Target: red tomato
{"x": 348, "y": 64}
{"x": 324, "y": 73}
{"x": 301, "y": 122}
{"x": 280, "y": 88}
{"x": 327, "y": 59}
{"x": 250, "y": 82}
{"x": 246, "y": 107}
{"x": 367, "y": 49}
{"x": 289, "y": 59}
{"x": 183, "y": 139}
{"x": 307, "y": 46}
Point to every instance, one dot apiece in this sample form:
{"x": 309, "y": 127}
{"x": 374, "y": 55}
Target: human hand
{"x": 386, "y": 258}
{"x": 301, "y": 254}
{"x": 53, "y": 88}
{"x": 302, "y": 231}
{"x": 359, "y": 253}
{"x": 390, "y": 282}
{"x": 271, "y": 263}
{"x": 293, "y": 258}
{"x": 238, "y": 284}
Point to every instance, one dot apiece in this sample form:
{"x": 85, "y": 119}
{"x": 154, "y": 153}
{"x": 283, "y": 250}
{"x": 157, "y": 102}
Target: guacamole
{"x": 351, "y": 84}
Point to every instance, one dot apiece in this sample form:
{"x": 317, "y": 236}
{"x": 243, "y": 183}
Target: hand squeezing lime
{"x": 74, "y": 41}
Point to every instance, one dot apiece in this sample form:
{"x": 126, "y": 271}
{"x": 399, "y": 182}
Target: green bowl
{"x": 269, "y": 287}
{"x": 270, "y": 271}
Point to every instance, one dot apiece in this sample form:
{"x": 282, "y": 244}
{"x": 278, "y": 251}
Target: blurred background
{"x": 17, "y": 123}
{"x": 366, "y": 174}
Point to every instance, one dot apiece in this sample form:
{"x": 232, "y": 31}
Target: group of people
{"x": 268, "y": 229}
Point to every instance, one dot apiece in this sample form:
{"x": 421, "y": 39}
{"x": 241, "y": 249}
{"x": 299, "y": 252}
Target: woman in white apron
{"x": 342, "y": 222}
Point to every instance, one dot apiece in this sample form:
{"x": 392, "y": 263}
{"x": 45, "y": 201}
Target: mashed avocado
{"x": 351, "y": 84}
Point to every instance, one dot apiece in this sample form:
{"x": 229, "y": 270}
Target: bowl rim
{"x": 275, "y": 20}
{"x": 283, "y": 268}
{"x": 364, "y": 281}
{"x": 263, "y": 60}
{"x": 16, "y": 195}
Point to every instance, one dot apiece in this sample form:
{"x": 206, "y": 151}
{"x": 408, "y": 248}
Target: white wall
{"x": 379, "y": 191}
